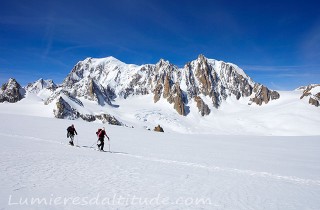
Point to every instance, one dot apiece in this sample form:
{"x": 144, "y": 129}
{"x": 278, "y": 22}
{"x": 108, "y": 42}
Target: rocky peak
{"x": 167, "y": 79}
{"x": 165, "y": 68}
{"x": 204, "y": 73}
{"x": 11, "y": 84}
{"x": 202, "y": 79}
{"x": 11, "y": 91}
{"x": 202, "y": 60}
{"x": 163, "y": 62}
{"x": 41, "y": 84}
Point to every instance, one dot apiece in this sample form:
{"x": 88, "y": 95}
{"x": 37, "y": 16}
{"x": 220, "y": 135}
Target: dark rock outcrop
{"x": 64, "y": 110}
{"x": 11, "y": 92}
{"x": 158, "y": 129}
{"x": 157, "y": 93}
{"x": 175, "y": 96}
{"x": 106, "y": 118}
{"x": 202, "y": 107}
{"x": 314, "y": 102}
{"x": 313, "y": 92}
{"x": 263, "y": 95}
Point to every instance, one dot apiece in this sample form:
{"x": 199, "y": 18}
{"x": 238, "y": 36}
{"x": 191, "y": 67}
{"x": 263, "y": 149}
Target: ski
{"x": 86, "y": 147}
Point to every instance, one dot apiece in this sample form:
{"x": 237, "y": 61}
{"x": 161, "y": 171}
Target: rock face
{"x": 158, "y": 129}
{"x": 313, "y": 92}
{"x": 70, "y": 109}
{"x": 175, "y": 96}
{"x": 202, "y": 107}
{"x": 314, "y": 102}
{"x": 262, "y": 94}
{"x": 11, "y": 92}
{"x": 64, "y": 110}
{"x": 103, "y": 80}
{"x": 89, "y": 89}
{"x": 106, "y": 118}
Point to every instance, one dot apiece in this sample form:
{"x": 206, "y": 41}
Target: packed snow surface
{"x": 149, "y": 170}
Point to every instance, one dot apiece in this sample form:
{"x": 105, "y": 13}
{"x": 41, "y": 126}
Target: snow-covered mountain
{"x": 105, "y": 79}
{"x": 11, "y": 91}
{"x": 206, "y": 96}
{"x": 208, "y": 82}
{"x": 39, "y": 85}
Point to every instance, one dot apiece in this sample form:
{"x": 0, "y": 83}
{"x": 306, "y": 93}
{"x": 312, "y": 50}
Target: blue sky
{"x": 276, "y": 42}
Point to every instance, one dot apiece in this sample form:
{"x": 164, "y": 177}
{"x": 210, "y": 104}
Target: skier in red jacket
{"x": 101, "y": 134}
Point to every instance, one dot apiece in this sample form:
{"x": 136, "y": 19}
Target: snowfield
{"x": 149, "y": 170}
{"x": 239, "y": 157}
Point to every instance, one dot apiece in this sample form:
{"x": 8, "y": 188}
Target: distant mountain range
{"x": 207, "y": 83}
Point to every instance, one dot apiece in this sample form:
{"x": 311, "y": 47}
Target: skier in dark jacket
{"x": 71, "y": 131}
{"x": 101, "y": 135}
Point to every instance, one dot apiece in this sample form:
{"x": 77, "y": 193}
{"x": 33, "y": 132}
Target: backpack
{"x": 98, "y": 131}
{"x": 69, "y": 129}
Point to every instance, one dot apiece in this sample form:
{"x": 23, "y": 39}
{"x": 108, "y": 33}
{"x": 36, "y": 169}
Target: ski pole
{"x": 93, "y": 144}
{"x": 109, "y": 144}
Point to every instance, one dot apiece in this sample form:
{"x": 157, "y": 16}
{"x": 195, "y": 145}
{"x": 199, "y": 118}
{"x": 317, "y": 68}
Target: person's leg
{"x": 98, "y": 143}
{"x": 102, "y": 145}
{"x": 71, "y": 139}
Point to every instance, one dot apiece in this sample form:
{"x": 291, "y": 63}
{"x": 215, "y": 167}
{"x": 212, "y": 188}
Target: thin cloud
{"x": 279, "y": 68}
{"x": 310, "y": 45}
{"x": 297, "y": 75}
{"x": 48, "y": 37}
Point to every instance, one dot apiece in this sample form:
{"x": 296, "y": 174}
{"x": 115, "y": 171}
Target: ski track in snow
{"x": 291, "y": 179}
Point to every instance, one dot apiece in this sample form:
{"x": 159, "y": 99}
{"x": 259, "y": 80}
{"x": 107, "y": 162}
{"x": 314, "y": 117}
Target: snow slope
{"x": 149, "y": 170}
{"x": 287, "y": 116}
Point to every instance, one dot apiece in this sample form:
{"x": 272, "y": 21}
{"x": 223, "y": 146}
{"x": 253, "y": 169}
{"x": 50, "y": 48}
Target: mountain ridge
{"x": 94, "y": 88}
{"x": 199, "y": 78}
